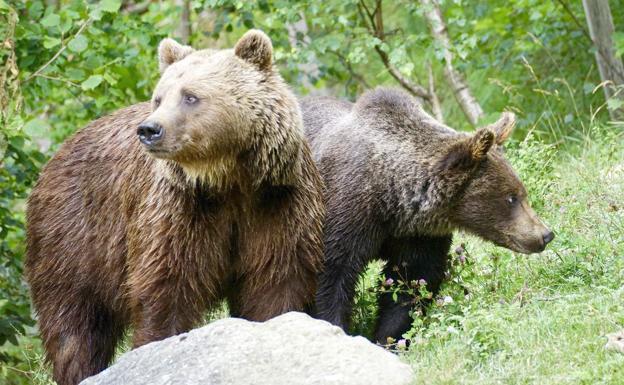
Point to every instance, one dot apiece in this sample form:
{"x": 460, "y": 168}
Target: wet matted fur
{"x": 229, "y": 205}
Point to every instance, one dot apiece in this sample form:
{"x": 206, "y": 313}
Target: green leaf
{"x": 96, "y": 14}
{"x": 109, "y": 79}
{"x": 110, "y": 6}
{"x": 92, "y": 82}
{"x": 66, "y": 26}
{"x": 78, "y": 44}
{"x": 75, "y": 74}
{"x": 49, "y": 42}
{"x": 51, "y": 20}
{"x": 37, "y": 127}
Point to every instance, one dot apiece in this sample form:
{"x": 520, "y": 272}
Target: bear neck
{"x": 420, "y": 195}
{"x": 245, "y": 172}
{"x": 277, "y": 139}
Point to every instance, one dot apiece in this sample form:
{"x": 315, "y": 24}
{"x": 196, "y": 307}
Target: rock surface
{"x": 290, "y": 349}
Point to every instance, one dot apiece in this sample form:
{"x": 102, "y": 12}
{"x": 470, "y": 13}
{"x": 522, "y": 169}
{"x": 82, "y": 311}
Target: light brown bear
{"x": 150, "y": 216}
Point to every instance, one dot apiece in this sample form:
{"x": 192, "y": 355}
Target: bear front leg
{"x": 277, "y": 272}
{"x": 409, "y": 259}
{"x": 261, "y": 302}
{"x": 346, "y": 255}
{"x": 334, "y": 298}
{"x": 280, "y": 252}
{"x": 155, "y": 322}
{"x": 170, "y": 297}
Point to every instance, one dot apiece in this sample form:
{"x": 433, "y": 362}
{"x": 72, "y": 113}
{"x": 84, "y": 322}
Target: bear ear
{"x": 503, "y": 127}
{"x": 170, "y": 51}
{"x": 468, "y": 152}
{"x": 255, "y": 47}
{"x": 480, "y": 143}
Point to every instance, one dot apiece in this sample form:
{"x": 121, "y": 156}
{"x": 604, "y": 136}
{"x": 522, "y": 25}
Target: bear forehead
{"x": 500, "y": 172}
{"x": 207, "y": 69}
{"x": 200, "y": 63}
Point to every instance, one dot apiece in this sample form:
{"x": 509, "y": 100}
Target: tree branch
{"x": 611, "y": 68}
{"x": 58, "y": 79}
{"x": 345, "y": 62}
{"x": 578, "y": 23}
{"x": 134, "y": 7}
{"x": 471, "y": 107}
{"x": 60, "y": 51}
{"x": 567, "y": 9}
{"x": 374, "y": 24}
{"x": 184, "y": 31}
{"x": 436, "y": 108}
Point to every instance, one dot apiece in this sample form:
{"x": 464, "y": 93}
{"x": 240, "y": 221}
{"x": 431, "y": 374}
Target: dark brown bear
{"x": 216, "y": 197}
{"x": 398, "y": 183}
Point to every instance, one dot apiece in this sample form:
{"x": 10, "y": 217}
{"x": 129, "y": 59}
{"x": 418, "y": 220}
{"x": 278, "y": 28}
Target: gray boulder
{"x": 290, "y": 349}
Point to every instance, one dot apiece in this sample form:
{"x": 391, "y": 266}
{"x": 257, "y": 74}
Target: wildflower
{"x": 401, "y": 344}
{"x": 388, "y": 282}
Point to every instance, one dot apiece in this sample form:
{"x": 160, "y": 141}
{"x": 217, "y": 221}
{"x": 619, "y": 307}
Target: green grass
{"x": 527, "y": 319}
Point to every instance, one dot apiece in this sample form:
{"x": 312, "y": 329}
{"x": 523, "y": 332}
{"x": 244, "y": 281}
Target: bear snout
{"x": 150, "y": 133}
{"x": 535, "y": 244}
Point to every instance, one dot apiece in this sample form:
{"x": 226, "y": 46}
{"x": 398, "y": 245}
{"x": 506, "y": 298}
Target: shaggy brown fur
{"x": 398, "y": 183}
{"x": 227, "y": 205}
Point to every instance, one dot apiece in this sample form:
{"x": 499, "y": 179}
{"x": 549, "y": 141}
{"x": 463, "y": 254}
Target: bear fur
{"x": 397, "y": 184}
{"x": 227, "y": 204}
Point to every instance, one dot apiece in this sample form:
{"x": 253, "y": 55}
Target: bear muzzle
{"x": 150, "y": 133}
{"x": 531, "y": 243}
{"x": 548, "y": 237}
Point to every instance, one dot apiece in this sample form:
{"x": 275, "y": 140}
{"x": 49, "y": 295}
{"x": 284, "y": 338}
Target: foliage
{"x": 521, "y": 56}
{"x": 106, "y": 61}
{"x": 64, "y": 66}
{"x": 19, "y": 167}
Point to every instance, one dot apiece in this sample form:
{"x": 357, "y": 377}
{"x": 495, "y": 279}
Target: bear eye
{"x": 512, "y": 199}
{"x": 157, "y": 102}
{"x": 190, "y": 99}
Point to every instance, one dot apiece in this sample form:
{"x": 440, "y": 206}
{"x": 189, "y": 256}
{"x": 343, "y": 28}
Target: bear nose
{"x": 150, "y": 132}
{"x": 548, "y": 236}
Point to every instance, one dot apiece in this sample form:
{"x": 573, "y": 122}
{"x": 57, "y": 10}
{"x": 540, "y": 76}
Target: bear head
{"x": 492, "y": 202}
{"x": 219, "y": 115}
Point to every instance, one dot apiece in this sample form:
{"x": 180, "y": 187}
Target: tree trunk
{"x": 184, "y": 29}
{"x": 600, "y": 22}
{"x": 436, "y": 108}
{"x": 310, "y": 69}
{"x": 471, "y": 107}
